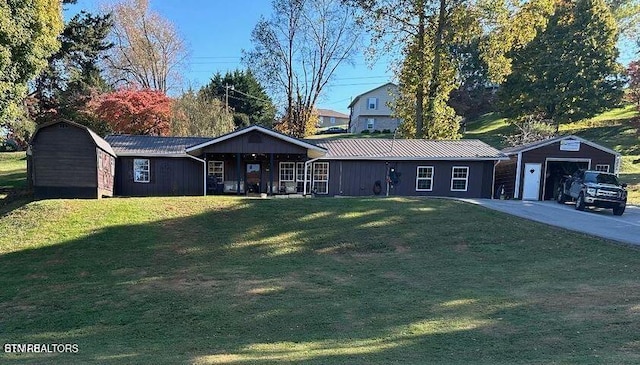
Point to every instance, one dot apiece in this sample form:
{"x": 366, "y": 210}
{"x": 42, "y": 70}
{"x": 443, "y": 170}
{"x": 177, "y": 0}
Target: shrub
{"x": 386, "y": 131}
{"x": 376, "y": 131}
{"x": 365, "y": 131}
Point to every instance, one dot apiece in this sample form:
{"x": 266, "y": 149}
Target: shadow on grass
{"x": 622, "y": 138}
{"x": 357, "y": 281}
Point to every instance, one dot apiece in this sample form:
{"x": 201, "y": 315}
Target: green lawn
{"x": 317, "y": 281}
{"x": 13, "y": 167}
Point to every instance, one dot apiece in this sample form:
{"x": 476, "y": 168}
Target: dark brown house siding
{"x": 506, "y": 176}
{"x": 169, "y": 176}
{"x": 64, "y": 164}
{"x": 358, "y": 177}
{"x": 254, "y": 142}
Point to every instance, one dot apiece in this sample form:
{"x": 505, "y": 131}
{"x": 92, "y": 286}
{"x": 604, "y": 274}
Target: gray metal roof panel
{"x": 152, "y": 145}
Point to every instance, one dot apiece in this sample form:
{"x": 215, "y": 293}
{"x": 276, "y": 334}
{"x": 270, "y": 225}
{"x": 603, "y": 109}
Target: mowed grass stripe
{"x": 320, "y": 281}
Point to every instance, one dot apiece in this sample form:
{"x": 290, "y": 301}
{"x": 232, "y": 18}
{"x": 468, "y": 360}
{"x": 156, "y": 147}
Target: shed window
{"x": 287, "y": 173}
{"x": 424, "y": 178}
{"x": 459, "y": 178}
{"x": 300, "y": 176}
{"x": 216, "y": 169}
{"x": 321, "y": 177}
{"x": 372, "y": 103}
{"x": 141, "y": 170}
{"x": 602, "y": 167}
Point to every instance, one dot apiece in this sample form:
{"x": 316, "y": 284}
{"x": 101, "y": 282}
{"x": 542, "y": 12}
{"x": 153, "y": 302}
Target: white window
{"x": 459, "y": 178}
{"x": 321, "y": 177}
{"x": 300, "y": 176}
{"x": 372, "y": 103}
{"x": 424, "y": 178}
{"x": 287, "y": 172}
{"x": 141, "y": 171}
{"x": 216, "y": 169}
{"x": 332, "y": 120}
{"x": 371, "y": 122}
{"x": 602, "y": 167}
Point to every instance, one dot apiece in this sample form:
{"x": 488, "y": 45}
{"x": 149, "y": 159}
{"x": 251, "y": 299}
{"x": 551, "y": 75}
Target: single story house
{"x": 68, "y": 160}
{"x": 534, "y": 170}
{"x": 331, "y": 118}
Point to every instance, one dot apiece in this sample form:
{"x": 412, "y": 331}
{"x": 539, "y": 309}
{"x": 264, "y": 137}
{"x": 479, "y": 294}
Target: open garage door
{"x": 556, "y": 170}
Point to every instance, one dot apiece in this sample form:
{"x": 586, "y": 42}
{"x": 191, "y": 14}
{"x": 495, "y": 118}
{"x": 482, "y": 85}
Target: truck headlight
{"x": 591, "y": 191}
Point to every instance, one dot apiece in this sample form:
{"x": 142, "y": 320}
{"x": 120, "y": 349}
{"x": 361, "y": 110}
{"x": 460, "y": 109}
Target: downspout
{"x": 204, "y": 172}
{"x": 516, "y": 193}
{"x": 493, "y": 183}
{"x": 306, "y": 166}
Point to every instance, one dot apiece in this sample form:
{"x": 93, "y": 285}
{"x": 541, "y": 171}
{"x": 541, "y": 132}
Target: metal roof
{"x": 409, "y": 149}
{"x": 533, "y": 145}
{"x": 136, "y": 145}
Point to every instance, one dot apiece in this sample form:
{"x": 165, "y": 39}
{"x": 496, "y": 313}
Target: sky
{"x": 216, "y": 32}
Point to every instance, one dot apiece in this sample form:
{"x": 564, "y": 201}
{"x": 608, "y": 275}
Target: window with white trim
{"x": 287, "y": 173}
{"x": 371, "y": 123}
{"x": 372, "y": 103}
{"x": 602, "y": 167}
{"x": 459, "y": 178}
{"x": 216, "y": 169}
{"x": 300, "y": 177}
{"x": 424, "y": 178}
{"x": 332, "y": 120}
{"x": 141, "y": 170}
{"x": 321, "y": 177}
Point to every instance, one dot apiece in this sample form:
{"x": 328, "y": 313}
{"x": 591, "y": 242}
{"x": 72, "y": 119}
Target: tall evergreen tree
{"x": 569, "y": 71}
{"x": 247, "y": 99}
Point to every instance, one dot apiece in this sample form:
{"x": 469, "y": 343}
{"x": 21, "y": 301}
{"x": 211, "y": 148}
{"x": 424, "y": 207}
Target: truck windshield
{"x": 594, "y": 177}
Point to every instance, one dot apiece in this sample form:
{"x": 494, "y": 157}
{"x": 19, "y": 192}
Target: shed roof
{"x": 533, "y": 145}
{"x": 408, "y": 149}
{"x": 99, "y": 141}
{"x": 136, "y": 145}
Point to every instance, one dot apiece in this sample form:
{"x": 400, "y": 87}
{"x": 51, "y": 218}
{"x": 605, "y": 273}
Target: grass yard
{"x": 321, "y": 281}
{"x": 13, "y": 181}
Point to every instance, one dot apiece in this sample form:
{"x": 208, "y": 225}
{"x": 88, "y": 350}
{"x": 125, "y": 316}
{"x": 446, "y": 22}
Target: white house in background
{"x": 371, "y": 111}
{"x": 331, "y": 118}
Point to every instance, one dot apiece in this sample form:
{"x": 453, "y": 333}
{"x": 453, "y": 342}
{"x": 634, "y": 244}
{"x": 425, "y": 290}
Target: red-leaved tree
{"x": 134, "y": 111}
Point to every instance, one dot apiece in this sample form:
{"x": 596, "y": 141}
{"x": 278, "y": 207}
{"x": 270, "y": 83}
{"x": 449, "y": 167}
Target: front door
{"x": 253, "y": 177}
{"x": 531, "y": 187}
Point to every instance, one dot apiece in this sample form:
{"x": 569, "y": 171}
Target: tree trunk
{"x": 437, "y": 60}
{"x": 421, "y": 75}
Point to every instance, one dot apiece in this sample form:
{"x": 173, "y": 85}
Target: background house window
{"x": 371, "y": 123}
{"x": 602, "y": 167}
{"x": 216, "y": 169}
{"x": 300, "y": 176}
{"x": 321, "y": 177}
{"x": 332, "y": 120}
{"x": 141, "y": 170}
{"x": 372, "y": 103}
{"x": 424, "y": 178}
{"x": 459, "y": 178}
{"x": 287, "y": 173}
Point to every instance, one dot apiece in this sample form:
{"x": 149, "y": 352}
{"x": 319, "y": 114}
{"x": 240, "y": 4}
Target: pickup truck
{"x": 594, "y": 189}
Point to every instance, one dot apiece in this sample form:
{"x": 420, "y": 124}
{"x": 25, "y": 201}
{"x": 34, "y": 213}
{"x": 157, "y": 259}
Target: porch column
{"x": 271, "y": 174}
{"x": 238, "y": 172}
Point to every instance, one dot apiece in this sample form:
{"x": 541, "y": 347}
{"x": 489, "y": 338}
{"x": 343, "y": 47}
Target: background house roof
{"x": 331, "y": 113}
{"x": 135, "y": 145}
{"x": 355, "y": 100}
{"x": 466, "y": 149}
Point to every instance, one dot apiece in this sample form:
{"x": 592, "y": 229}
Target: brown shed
{"x": 534, "y": 170}
{"x": 68, "y": 160}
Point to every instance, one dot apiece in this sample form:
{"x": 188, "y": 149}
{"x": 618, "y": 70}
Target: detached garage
{"x": 534, "y": 171}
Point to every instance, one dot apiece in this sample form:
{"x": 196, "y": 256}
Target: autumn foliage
{"x": 134, "y": 111}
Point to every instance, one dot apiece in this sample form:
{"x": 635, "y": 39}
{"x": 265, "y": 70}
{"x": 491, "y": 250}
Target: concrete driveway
{"x": 594, "y": 221}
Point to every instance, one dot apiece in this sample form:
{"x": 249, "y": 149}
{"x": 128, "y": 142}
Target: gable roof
{"x": 409, "y": 149}
{"x": 239, "y": 132}
{"x": 355, "y": 100}
{"x": 532, "y": 146}
{"x": 97, "y": 140}
{"x": 331, "y": 113}
{"x": 137, "y": 145}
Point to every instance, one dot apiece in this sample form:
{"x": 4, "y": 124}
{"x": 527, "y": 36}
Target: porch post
{"x": 238, "y": 172}
{"x": 271, "y": 174}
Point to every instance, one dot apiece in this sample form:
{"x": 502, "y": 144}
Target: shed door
{"x": 531, "y": 189}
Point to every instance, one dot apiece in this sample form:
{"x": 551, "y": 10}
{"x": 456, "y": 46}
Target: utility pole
{"x": 226, "y": 95}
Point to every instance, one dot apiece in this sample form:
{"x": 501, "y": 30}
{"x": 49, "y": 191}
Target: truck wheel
{"x": 561, "y": 198}
{"x": 618, "y": 210}
{"x": 580, "y": 202}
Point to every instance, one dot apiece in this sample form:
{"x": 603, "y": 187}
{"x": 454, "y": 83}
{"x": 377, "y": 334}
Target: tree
{"x": 247, "y": 99}
{"x": 134, "y": 111}
{"x": 297, "y": 51}
{"x": 530, "y": 128}
{"x": 73, "y": 73}
{"x": 633, "y": 71}
{"x": 148, "y": 52}
{"x": 28, "y": 34}
{"x": 195, "y": 114}
{"x": 569, "y": 71}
